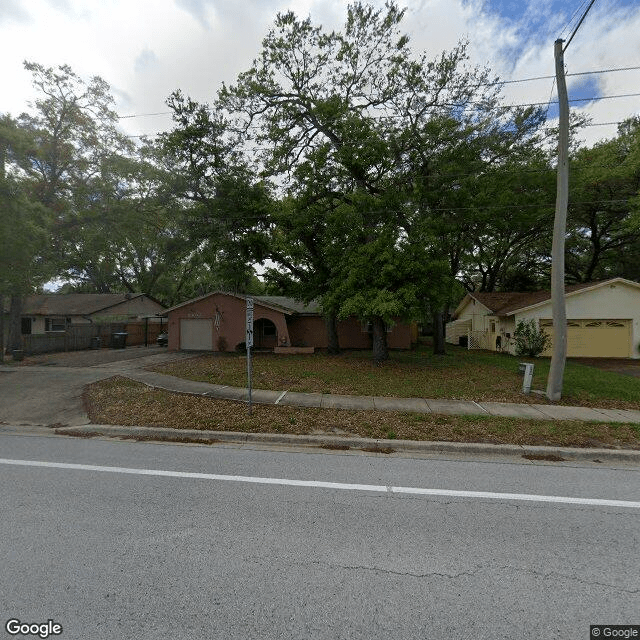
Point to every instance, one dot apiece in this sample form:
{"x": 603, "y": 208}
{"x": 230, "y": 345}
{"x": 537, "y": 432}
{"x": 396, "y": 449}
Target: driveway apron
{"x": 47, "y": 390}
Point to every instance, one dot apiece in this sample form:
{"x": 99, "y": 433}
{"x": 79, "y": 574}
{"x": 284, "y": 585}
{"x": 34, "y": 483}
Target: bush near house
{"x": 530, "y": 339}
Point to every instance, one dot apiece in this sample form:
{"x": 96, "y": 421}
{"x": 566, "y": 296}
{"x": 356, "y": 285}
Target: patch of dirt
{"x": 163, "y": 438}
{"x": 77, "y": 433}
{"x": 624, "y": 366}
{"x": 548, "y": 457}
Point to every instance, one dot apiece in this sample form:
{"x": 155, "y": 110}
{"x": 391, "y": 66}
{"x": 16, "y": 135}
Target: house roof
{"x": 282, "y": 304}
{"x": 508, "y": 302}
{"x": 289, "y": 304}
{"x": 74, "y": 304}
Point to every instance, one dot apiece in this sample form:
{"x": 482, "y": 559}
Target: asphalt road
{"x": 126, "y": 552}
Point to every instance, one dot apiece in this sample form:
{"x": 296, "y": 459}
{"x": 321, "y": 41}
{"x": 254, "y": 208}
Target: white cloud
{"x": 12, "y": 11}
{"x": 146, "y": 61}
{"x": 148, "y": 48}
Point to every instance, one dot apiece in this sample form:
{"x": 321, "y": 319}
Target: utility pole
{"x": 558, "y": 303}
{"x": 3, "y": 151}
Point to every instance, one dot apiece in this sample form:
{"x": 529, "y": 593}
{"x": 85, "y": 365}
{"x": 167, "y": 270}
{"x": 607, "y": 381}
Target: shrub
{"x": 530, "y": 339}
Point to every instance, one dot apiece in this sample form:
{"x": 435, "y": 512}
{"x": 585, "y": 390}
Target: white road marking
{"x": 316, "y": 484}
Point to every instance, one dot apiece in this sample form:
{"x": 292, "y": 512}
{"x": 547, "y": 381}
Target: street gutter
{"x": 630, "y": 456}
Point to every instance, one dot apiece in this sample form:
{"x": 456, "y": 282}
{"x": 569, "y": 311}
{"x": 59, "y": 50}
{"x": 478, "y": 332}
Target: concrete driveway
{"x": 47, "y": 389}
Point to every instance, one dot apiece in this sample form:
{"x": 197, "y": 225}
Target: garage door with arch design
{"x": 595, "y": 338}
{"x": 196, "y": 334}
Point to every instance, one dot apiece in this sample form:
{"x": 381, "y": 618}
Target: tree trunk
{"x": 380, "y": 350}
{"x": 438, "y": 334}
{"x": 15, "y": 324}
{"x": 333, "y": 346}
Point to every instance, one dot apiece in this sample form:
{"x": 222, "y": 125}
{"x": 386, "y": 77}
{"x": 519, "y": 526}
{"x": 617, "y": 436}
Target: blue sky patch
{"x": 540, "y": 22}
{"x": 580, "y": 89}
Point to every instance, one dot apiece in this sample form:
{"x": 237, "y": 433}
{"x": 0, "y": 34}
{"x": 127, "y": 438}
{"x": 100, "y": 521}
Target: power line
{"x": 526, "y": 104}
{"x": 486, "y": 84}
{"x": 575, "y": 13}
{"x": 546, "y": 113}
{"x": 591, "y": 124}
{"x": 552, "y": 205}
{"x": 584, "y": 15}
{"x": 592, "y": 99}
{"x": 586, "y": 73}
{"x": 579, "y": 73}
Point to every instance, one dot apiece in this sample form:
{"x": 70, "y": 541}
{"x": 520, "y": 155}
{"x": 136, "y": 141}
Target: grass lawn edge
{"x": 124, "y": 402}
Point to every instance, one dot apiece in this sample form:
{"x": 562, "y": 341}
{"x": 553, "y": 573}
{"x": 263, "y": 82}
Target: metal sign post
{"x": 249, "y": 343}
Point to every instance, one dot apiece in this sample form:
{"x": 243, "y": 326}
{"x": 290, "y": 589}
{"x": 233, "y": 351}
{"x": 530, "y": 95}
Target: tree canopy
{"x": 346, "y": 166}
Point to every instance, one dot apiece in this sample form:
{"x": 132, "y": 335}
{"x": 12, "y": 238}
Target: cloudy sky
{"x": 145, "y": 49}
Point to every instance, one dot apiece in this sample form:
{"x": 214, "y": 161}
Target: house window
{"x": 268, "y": 329}
{"x": 56, "y": 324}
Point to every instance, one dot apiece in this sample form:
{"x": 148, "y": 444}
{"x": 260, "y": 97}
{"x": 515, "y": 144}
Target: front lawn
{"x": 120, "y": 401}
{"x": 461, "y": 374}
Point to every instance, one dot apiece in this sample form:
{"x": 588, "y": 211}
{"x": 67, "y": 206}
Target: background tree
{"x": 61, "y": 152}
{"x": 603, "y": 238}
{"x": 224, "y": 206}
{"x": 350, "y": 125}
{"x": 24, "y": 231}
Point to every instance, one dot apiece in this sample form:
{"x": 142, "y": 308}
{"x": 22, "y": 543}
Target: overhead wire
{"x": 584, "y": 15}
{"x": 485, "y": 84}
{"x": 514, "y": 207}
{"x": 575, "y": 13}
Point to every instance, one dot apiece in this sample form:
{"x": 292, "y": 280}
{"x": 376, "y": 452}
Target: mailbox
{"x": 527, "y": 369}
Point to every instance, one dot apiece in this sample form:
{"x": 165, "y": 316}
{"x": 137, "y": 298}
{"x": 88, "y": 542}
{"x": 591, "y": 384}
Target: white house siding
{"x": 477, "y": 313}
{"x": 472, "y": 318}
{"x": 457, "y": 329}
{"x": 616, "y": 301}
{"x": 506, "y": 327}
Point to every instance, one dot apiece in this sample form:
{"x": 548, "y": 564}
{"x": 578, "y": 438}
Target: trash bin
{"x": 95, "y": 343}
{"x": 463, "y": 341}
{"x": 18, "y": 355}
{"x": 119, "y": 340}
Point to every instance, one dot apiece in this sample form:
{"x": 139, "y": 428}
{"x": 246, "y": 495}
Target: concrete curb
{"x": 337, "y": 442}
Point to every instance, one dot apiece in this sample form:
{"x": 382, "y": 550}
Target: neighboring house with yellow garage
{"x": 603, "y": 319}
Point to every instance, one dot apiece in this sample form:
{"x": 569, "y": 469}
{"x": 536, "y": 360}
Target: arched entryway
{"x": 265, "y": 334}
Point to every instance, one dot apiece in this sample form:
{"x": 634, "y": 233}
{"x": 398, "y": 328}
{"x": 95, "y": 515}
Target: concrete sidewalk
{"x": 408, "y": 405}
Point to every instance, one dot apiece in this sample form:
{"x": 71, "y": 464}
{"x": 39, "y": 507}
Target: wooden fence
{"x": 79, "y": 337}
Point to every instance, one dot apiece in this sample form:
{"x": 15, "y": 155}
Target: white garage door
{"x": 595, "y": 338}
{"x": 196, "y": 334}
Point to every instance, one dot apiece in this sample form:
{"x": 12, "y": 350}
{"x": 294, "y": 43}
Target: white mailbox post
{"x": 527, "y": 369}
